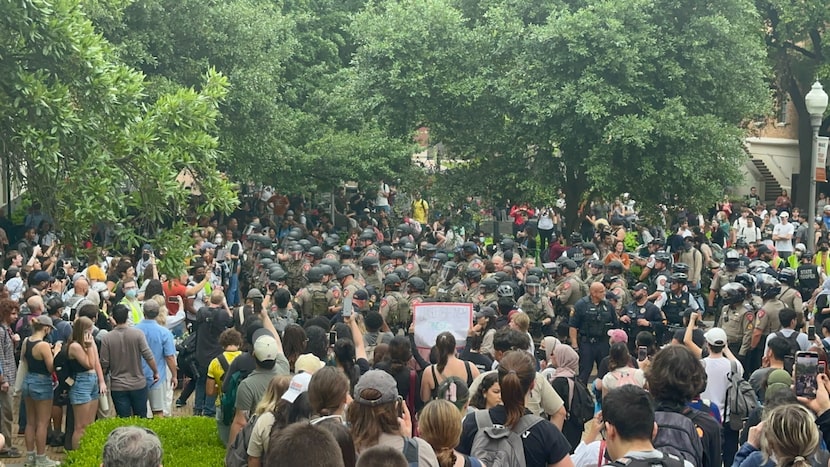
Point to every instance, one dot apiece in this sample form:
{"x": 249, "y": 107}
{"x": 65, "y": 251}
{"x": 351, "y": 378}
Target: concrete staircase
{"x": 772, "y": 188}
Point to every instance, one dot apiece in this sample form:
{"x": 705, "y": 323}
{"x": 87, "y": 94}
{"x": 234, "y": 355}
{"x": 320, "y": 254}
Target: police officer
{"x": 766, "y": 320}
{"x": 808, "y": 276}
{"x": 594, "y": 274}
{"x": 589, "y": 257}
{"x": 415, "y": 288}
{"x": 367, "y": 240}
{"x": 427, "y": 262}
{"x": 411, "y": 261}
{"x": 658, "y": 277}
{"x": 371, "y": 272}
{"x": 570, "y": 289}
{"x": 674, "y": 302}
{"x": 642, "y": 315}
{"x": 311, "y": 300}
{"x": 574, "y": 252}
{"x": 737, "y": 318}
{"x": 742, "y": 247}
{"x": 393, "y": 305}
{"x": 348, "y": 284}
{"x": 470, "y": 258}
{"x": 730, "y": 270}
{"x": 538, "y": 308}
{"x": 486, "y": 293}
{"x": 591, "y": 319}
{"x": 790, "y": 296}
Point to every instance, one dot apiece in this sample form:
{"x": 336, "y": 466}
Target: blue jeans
{"x": 130, "y": 403}
{"x": 204, "y": 404}
{"x": 233, "y": 290}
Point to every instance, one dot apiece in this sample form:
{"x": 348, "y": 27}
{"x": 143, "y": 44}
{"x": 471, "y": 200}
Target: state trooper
{"x": 737, "y": 318}
{"x": 312, "y": 299}
{"x": 589, "y": 256}
{"x": 450, "y": 287}
{"x": 469, "y": 257}
{"x": 427, "y": 262}
{"x": 658, "y": 277}
{"x": 594, "y": 268}
{"x": 394, "y": 305}
{"x": 574, "y": 252}
{"x": 570, "y": 289}
{"x": 730, "y": 270}
{"x": 674, "y": 302}
{"x": 385, "y": 258}
{"x": 538, "y": 308}
{"x": 367, "y": 240}
{"x": 790, "y": 296}
{"x": 485, "y": 294}
{"x": 808, "y": 275}
{"x": 591, "y": 319}
{"x": 766, "y": 320}
{"x": 371, "y": 273}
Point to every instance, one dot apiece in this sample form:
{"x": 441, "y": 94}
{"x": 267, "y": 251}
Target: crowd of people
{"x": 296, "y": 335}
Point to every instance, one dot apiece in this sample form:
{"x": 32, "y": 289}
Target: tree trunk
{"x": 801, "y": 192}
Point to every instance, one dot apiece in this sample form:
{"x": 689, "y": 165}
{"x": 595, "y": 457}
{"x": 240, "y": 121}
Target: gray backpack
{"x": 499, "y": 446}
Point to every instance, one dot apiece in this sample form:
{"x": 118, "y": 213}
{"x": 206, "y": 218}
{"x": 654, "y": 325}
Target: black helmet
{"x": 469, "y": 247}
{"x": 615, "y": 267}
{"x": 315, "y": 274}
{"x": 402, "y": 272}
{"x": 346, "y": 252}
{"x": 768, "y": 286}
{"x": 325, "y": 269}
{"x": 808, "y": 255}
{"x": 385, "y": 251}
{"x": 316, "y": 252}
{"x": 590, "y": 246}
{"x": 367, "y": 234}
{"x": 569, "y": 264}
{"x": 277, "y": 275}
{"x": 680, "y": 267}
{"x": 535, "y": 271}
{"x": 266, "y": 254}
{"x": 417, "y": 284}
{"x": 576, "y": 238}
{"x": 741, "y": 243}
{"x": 344, "y": 271}
{"x": 403, "y": 229}
{"x": 501, "y": 276}
{"x": 398, "y": 254}
{"x": 747, "y": 280}
{"x": 733, "y": 292}
{"x": 504, "y": 290}
{"x": 430, "y": 248}
{"x": 552, "y": 268}
{"x": 332, "y": 263}
{"x": 331, "y": 242}
{"x": 408, "y": 247}
{"x": 679, "y": 278}
{"x": 662, "y": 256}
{"x": 305, "y": 243}
{"x": 295, "y": 248}
{"x": 441, "y": 257}
{"x": 787, "y": 276}
{"x": 392, "y": 280}
{"x": 489, "y": 284}
{"x": 266, "y": 263}
{"x": 473, "y": 275}
{"x": 369, "y": 262}
{"x": 507, "y": 244}
{"x": 732, "y": 259}
{"x": 294, "y": 234}
{"x": 532, "y": 279}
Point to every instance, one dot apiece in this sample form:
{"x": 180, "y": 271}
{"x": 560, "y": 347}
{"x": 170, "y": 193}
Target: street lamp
{"x": 816, "y": 102}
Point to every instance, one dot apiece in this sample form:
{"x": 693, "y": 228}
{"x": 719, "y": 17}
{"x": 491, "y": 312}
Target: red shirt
{"x": 174, "y": 289}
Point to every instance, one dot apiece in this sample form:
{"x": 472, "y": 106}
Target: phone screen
{"x": 811, "y": 333}
{"x": 333, "y": 339}
{"x": 806, "y": 371}
{"x": 822, "y": 367}
{"x": 173, "y": 299}
{"x": 642, "y": 353}
{"x": 347, "y": 306}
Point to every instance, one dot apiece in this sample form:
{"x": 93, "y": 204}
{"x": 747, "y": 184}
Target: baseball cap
{"x": 763, "y": 248}
{"x": 361, "y": 295}
{"x": 617, "y": 335}
{"x": 265, "y": 348}
{"x": 611, "y": 295}
{"x": 308, "y": 363}
{"x": 784, "y": 214}
{"x": 146, "y": 247}
{"x": 827, "y": 207}
{"x": 641, "y": 286}
{"x": 381, "y": 382}
{"x": 41, "y": 276}
{"x": 298, "y": 385}
{"x": 779, "y": 376}
{"x": 254, "y": 293}
{"x": 485, "y": 311}
{"x": 715, "y": 336}
{"x": 45, "y": 320}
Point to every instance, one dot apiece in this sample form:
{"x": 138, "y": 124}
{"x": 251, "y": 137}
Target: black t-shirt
{"x": 402, "y": 380}
{"x": 482, "y": 362}
{"x": 207, "y": 333}
{"x": 544, "y": 444}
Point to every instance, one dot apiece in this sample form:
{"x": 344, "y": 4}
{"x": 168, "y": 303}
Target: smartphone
{"x": 400, "y": 406}
{"x": 173, "y": 299}
{"x": 347, "y": 307}
{"x": 806, "y": 374}
{"x": 333, "y": 339}
{"x": 811, "y": 333}
{"x": 642, "y": 353}
{"x": 822, "y": 367}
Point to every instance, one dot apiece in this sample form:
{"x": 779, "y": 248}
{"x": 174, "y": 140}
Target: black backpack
{"x": 677, "y": 434}
{"x": 186, "y": 360}
{"x": 579, "y": 403}
{"x": 792, "y": 340}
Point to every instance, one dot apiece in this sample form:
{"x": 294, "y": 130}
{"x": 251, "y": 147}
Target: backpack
{"x": 624, "y": 379}
{"x": 789, "y": 359}
{"x": 410, "y": 451}
{"x": 740, "y": 399}
{"x": 319, "y": 302}
{"x": 581, "y": 403}
{"x": 228, "y": 401}
{"x": 237, "y": 453}
{"x": 24, "y": 330}
{"x": 668, "y": 460}
{"x": 186, "y": 358}
{"x": 497, "y": 445}
{"x": 677, "y": 434}
{"x": 63, "y": 374}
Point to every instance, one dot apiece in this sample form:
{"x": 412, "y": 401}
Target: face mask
{"x": 132, "y": 293}
{"x": 145, "y": 256}
{"x": 199, "y": 278}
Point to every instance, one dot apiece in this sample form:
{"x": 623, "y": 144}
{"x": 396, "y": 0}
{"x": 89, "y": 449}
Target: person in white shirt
{"x": 782, "y": 235}
{"x": 382, "y": 199}
{"x": 788, "y": 319}
{"x": 719, "y": 366}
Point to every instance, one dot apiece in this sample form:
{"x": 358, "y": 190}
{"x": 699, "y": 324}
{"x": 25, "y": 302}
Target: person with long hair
{"x": 619, "y": 370}
{"x": 440, "y": 425}
{"x": 543, "y": 444}
{"x": 274, "y": 401}
{"x": 448, "y": 365}
{"x": 89, "y": 379}
{"x": 488, "y": 393}
{"x": 328, "y": 395}
{"x": 788, "y": 436}
{"x": 375, "y": 421}
{"x": 294, "y": 341}
{"x": 36, "y": 389}
{"x": 349, "y": 352}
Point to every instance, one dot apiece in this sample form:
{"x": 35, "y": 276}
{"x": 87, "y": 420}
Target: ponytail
{"x": 516, "y": 375}
{"x": 445, "y": 344}
{"x": 446, "y": 457}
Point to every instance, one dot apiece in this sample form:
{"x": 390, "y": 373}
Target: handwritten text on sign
{"x": 432, "y": 319}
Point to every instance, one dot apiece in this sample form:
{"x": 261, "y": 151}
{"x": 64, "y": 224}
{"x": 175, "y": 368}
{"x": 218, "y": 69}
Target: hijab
{"x": 567, "y": 361}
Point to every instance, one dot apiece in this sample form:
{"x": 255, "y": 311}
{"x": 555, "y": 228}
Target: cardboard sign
{"x": 432, "y": 319}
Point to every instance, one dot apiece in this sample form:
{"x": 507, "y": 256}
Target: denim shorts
{"x": 85, "y": 389}
{"x": 37, "y": 386}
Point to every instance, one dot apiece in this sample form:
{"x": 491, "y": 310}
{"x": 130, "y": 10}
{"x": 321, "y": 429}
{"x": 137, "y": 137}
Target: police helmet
{"x": 758, "y": 267}
{"x": 747, "y": 280}
{"x": 808, "y": 255}
{"x": 294, "y": 234}
{"x": 679, "y": 278}
{"x": 316, "y": 252}
{"x": 532, "y": 279}
{"x": 430, "y": 248}
{"x": 326, "y": 269}
{"x": 732, "y": 259}
{"x": 344, "y": 271}
{"x": 266, "y": 263}
{"x": 535, "y": 271}
{"x": 610, "y": 278}
{"x": 367, "y": 234}
{"x": 469, "y": 247}
{"x": 768, "y": 286}
{"x": 408, "y": 247}
{"x": 441, "y": 257}
{"x": 662, "y": 256}
{"x": 787, "y": 276}
{"x": 369, "y": 262}
{"x": 576, "y": 238}
{"x": 569, "y": 264}
{"x": 332, "y": 263}
{"x": 741, "y": 243}
{"x": 615, "y": 267}
{"x": 507, "y": 244}
{"x": 501, "y": 276}
{"x": 315, "y": 274}
{"x": 552, "y": 268}
{"x": 330, "y": 242}
{"x": 474, "y": 275}
{"x": 346, "y": 252}
{"x": 402, "y": 272}
{"x": 305, "y": 244}
{"x": 451, "y": 265}
{"x": 398, "y": 254}
{"x": 505, "y": 290}
{"x": 680, "y": 267}
{"x": 266, "y": 254}
{"x": 392, "y": 280}
{"x": 733, "y": 292}
{"x": 417, "y": 284}
{"x": 295, "y": 248}
{"x": 489, "y": 284}
{"x": 403, "y": 229}
{"x": 591, "y": 246}
{"x": 386, "y": 251}
{"x": 277, "y": 275}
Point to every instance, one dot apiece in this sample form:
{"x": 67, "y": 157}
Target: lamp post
{"x": 816, "y": 102}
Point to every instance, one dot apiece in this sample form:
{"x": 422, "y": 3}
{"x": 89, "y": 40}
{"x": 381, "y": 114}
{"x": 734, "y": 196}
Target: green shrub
{"x": 187, "y": 441}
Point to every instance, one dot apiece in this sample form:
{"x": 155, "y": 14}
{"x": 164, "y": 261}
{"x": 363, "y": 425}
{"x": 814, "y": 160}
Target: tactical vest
{"x": 442, "y": 291}
{"x": 597, "y": 320}
{"x": 652, "y": 280}
{"x": 319, "y": 300}
{"x": 398, "y": 315}
{"x": 533, "y": 307}
{"x": 675, "y": 306}
{"x": 808, "y": 280}
{"x": 575, "y": 253}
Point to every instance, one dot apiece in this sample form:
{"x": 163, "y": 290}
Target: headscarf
{"x": 549, "y": 343}
{"x": 825, "y": 288}
{"x": 567, "y": 361}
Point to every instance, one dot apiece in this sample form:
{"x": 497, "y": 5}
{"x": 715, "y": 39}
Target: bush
{"x": 187, "y": 441}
